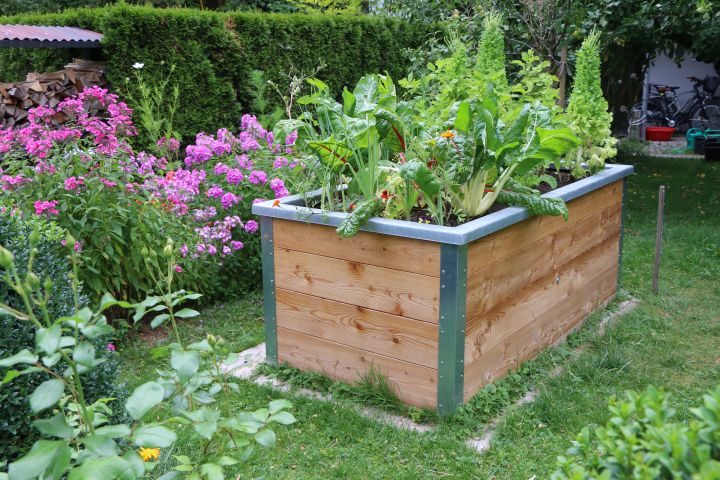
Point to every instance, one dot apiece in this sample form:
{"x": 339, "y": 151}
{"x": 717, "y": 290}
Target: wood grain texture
{"x": 413, "y": 384}
{"x": 493, "y": 328}
{"x": 397, "y": 337}
{"x": 494, "y": 284}
{"x": 543, "y": 331}
{"x": 406, "y": 254}
{"x": 507, "y": 241}
{"x": 405, "y": 294}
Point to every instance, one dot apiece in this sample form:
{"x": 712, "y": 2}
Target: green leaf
{"x": 187, "y": 313}
{"x": 283, "y": 418}
{"x": 212, "y": 471}
{"x": 350, "y": 226}
{"x": 114, "y": 431}
{"x": 107, "y": 468}
{"x": 54, "y": 427}
{"x": 108, "y": 301}
{"x": 185, "y": 362}
{"x": 159, "y": 320}
{"x": 100, "y": 445}
{"x": 277, "y": 405}
{"x": 559, "y": 141}
{"x": 537, "y": 204}
{"x": 348, "y": 102}
{"x": 10, "y": 375}
{"x": 23, "y": 356}
{"x": 266, "y": 437}
{"x": 416, "y": 171}
{"x": 463, "y": 117}
{"x": 42, "y": 454}
{"x": 154, "y": 436}
{"x": 332, "y": 153}
{"x": 46, "y": 395}
{"x": 48, "y": 339}
{"x": 84, "y": 354}
{"x": 144, "y": 398}
{"x": 227, "y": 461}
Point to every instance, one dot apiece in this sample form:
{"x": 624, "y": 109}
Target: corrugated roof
{"x": 47, "y": 37}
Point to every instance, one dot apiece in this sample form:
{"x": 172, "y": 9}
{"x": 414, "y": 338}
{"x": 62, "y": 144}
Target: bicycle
{"x": 700, "y": 111}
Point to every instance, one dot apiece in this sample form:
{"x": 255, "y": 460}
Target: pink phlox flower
{"x": 257, "y": 177}
{"x": 46, "y": 207}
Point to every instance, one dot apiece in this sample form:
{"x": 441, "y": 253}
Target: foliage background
{"x": 215, "y": 52}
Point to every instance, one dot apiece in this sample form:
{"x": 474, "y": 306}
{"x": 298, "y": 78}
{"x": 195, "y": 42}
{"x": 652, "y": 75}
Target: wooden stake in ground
{"x": 658, "y": 238}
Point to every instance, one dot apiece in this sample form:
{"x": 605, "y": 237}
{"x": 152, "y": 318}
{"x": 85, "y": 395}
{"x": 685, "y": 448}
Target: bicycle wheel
{"x": 707, "y": 117}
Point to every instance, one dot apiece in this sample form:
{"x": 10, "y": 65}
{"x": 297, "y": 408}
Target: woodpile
{"x": 47, "y": 89}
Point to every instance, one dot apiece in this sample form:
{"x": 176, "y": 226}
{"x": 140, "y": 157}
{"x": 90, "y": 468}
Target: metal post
{"x": 622, "y": 232}
{"x": 645, "y": 97}
{"x": 451, "y": 325}
{"x": 268, "y": 274}
{"x": 658, "y": 238}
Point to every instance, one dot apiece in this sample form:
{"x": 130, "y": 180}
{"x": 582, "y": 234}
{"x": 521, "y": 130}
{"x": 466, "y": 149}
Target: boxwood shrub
{"x": 16, "y": 430}
{"x": 214, "y": 52}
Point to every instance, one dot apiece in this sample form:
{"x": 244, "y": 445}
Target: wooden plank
{"x": 504, "y": 243}
{"x": 413, "y": 384}
{"x": 492, "y": 328}
{"x": 545, "y": 330}
{"x": 497, "y": 282}
{"x": 405, "y": 294}
{"x": 402, "y": 338}
{"x": 406, "y": 254}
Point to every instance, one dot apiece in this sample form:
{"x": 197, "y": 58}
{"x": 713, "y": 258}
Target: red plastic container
{"x": 659, "y": 134}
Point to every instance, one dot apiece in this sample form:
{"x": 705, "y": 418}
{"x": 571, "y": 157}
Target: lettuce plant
{"x": 588, "y": 113}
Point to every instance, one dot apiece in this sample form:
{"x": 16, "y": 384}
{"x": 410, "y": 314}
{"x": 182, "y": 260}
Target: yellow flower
{"x": 447, "y": 134}
{"x": 148, "y": 454}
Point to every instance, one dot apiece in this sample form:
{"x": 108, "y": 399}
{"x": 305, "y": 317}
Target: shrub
{"x": 214, "y": 53}
{"x": 16, "y": 430}
{"x": 640, "y": 440}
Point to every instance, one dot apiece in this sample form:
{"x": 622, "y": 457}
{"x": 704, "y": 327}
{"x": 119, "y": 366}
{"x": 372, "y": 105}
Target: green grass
{"x": 670, "y": 340}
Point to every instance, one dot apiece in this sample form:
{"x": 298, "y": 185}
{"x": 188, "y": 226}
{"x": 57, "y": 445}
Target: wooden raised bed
{"x": 440, "y": 311}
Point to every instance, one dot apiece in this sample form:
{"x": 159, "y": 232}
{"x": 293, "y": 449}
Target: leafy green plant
{"x": 640, "y": 440}
{"x": 491, "y": 51}
{"x": 156, "y": 103}
{"x": 260, "y": 102}
{"x": 78, "y": 439}
{"x": 16, "y": 429}
{"x": 588, "y": 114}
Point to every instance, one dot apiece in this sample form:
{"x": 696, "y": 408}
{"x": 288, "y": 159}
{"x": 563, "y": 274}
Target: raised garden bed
{"x": 440, "y": 311}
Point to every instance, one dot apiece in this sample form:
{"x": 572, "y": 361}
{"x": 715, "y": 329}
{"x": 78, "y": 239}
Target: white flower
{"x": 138, "y": 65}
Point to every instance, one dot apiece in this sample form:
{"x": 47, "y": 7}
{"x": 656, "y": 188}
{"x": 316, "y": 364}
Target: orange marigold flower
{"x": 447, "y": 134}
{"x": 148, "y": 454}
{"x": 276, "y": 203}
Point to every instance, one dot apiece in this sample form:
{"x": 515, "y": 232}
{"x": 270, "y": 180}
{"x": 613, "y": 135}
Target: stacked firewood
{"x": 47, "y": 89}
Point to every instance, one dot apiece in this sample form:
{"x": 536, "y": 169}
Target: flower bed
{"x": 120, "y": 203}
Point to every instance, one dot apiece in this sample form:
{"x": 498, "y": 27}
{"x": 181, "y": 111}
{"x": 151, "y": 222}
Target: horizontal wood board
{"x": 397, "y": 337}
{"x": 501, "y": 244}
{"x": 413, "y": 384}
{"x": 543, "y": 331}
{"x": 397, "y": 292}
{"x": 404, "y": 254}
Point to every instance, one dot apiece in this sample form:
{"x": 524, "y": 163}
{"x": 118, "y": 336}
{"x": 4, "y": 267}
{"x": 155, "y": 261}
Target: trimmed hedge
{"x": 214, "y": 52}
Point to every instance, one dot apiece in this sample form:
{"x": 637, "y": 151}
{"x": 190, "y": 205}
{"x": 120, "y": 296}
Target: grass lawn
{"x": 670, "y": 340}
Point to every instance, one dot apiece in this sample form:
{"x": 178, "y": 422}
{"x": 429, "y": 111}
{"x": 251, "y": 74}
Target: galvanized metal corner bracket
{"x": 451, "y": 327}
{"x": 268, "y": 275}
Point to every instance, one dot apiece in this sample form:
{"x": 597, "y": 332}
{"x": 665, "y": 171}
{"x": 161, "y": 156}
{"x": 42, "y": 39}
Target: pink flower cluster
{"x": 46, "y": 207}
{"x": 42, "y": 133}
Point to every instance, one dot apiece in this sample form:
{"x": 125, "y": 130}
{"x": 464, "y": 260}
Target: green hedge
{"x": 215, "y": 52}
